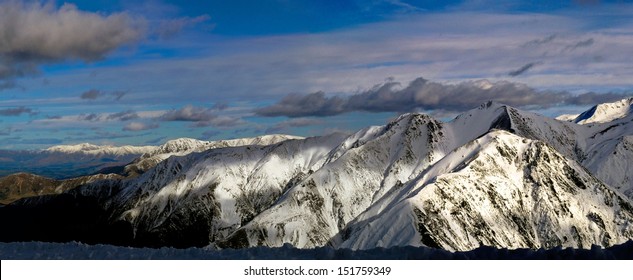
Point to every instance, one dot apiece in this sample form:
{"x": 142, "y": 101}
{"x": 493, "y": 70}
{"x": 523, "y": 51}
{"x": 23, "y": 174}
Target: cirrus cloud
{"x": 169, "y": 28}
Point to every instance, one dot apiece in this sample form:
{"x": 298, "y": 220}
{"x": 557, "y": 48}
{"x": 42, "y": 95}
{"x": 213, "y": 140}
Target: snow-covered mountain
{"x": 220, "y": 188}
{"x": 95, "y": 150}
{"x": 500, "y": 190}
{"x": 494, "y": 175}
{"x": 607, "y": 143}
{"x": 602, "y": 113}
{"x": 184, "y": 146}
{"x": 67, "y": 161}
{"x": 410, "y": 156}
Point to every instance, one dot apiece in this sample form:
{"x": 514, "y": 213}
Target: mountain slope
{"x": 606, "y": 148}
{"x": 360, "y": 171}
{"x": 20, "y": 185}
{"x": 184, "y": 146}
{"x": 214, "y": 192}
{"x": 500, "y": 190}
{"x": 603, "y": 148}
{"x": 609, "y": 153}
{"x": 23, "y": 185}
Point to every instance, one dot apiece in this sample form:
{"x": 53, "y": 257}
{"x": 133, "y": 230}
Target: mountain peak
{"x": 91, "y": 149}
{"x": 73, "y": 148}
{"x": 409, "y": 117}
{"x": 491, "y": 104}
{"x": 606, "y": 112}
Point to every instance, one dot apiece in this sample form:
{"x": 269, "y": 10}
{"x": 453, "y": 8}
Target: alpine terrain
{"x": 495, "y": 176}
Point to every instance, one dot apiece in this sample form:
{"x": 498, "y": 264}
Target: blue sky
{"x": 143, "y": 72}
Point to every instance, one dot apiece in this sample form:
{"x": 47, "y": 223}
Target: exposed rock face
{"x": 502, "y": 191}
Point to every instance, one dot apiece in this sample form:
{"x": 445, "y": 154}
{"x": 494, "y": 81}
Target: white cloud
{"x": 35, "y": 34}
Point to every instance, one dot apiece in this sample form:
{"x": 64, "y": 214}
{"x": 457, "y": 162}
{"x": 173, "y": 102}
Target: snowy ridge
{"x": 312, "y": 213}
{"x": 189, "y": 145}
{"x": 221, "y": 187}
{"x": 606, "y": 112}
{"x": 90, "y": 149}
{"x": 184, "y": 146}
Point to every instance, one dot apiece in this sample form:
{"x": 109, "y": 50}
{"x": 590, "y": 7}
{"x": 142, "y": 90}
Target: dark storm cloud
{"x": 12, "y": 112}
{"x": 34, "y": 34}
{"x": 200, "y": 116}
{"x": 521, "y": 70}
{"x": 422, "y": 94}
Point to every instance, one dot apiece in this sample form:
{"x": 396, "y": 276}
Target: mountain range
{"x": 68, "y": 161}
{"x": 493, "y": 176}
